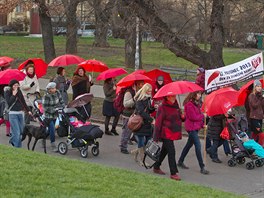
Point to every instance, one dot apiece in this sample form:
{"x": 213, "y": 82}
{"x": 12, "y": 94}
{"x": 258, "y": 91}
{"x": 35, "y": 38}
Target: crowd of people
{"x": 162, "y": 118}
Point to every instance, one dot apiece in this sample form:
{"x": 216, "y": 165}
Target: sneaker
{"x": 175, "y": 177}
{"x": 158, "y": 171}
{"x": 204, "y": 172}
{"x": 216, "y": 160}
{"x": 125, "y": 151}
{"x": 54, "y": 147}
{"x": 182, "y": 165}
{"x": 8, "y": 135}
{"x": 113, "y": 131}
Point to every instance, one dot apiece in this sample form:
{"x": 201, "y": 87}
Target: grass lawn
{"x": 32, "y": 174}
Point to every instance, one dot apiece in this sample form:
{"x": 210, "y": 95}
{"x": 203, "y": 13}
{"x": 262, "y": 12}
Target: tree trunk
{"x": 71, "y": 35}
{"x": 145, "y": 9}
{"x": 46, "y": 28}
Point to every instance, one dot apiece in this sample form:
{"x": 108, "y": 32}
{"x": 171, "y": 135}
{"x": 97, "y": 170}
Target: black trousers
{"x": 167, "y": 148}
{"x": 115, "y": 122}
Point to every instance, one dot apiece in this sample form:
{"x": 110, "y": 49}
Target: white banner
{"x": 231, "y": 74}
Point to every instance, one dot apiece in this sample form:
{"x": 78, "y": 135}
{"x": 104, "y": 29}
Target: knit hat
{"x": 200, "y": 69}
{"x": 12, "y": 82}
{"x": 59, "y": 70}
{"x": 257, "y": 83}
{"x": 160, "y": 78}
{"x": 51, "y": 85}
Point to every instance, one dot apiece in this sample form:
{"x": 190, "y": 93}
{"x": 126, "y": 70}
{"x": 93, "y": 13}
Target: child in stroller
{"x": 240, "y": 151}
{"x": 79, "y": 137}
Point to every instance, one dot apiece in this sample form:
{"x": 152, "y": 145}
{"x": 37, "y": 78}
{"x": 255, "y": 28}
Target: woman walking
{"x": 168, "y": 127}
{"x": 17, "y": 105}
{"x": 193, "y": 123}
{"x": 144, "y": 109}
{"x": 108, "y": 106}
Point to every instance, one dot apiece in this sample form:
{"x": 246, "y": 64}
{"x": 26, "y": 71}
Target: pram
{"x": 239, "y": 153}
{"x": 79, "y": 137}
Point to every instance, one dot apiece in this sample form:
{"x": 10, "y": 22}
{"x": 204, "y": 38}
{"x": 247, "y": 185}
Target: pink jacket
{"x": 193, "y": 116}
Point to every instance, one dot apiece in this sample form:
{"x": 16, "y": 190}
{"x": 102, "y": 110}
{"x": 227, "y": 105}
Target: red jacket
{"x": 193, "y": 116}
{"x": 168, "y": 124}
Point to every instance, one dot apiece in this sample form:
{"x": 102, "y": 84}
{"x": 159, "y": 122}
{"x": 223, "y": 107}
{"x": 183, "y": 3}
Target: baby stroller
{"x": 239, "y": 152}
{"x": 79, "y": 137}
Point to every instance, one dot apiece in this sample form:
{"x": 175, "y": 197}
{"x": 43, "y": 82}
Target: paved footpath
{"x": 232, "y": 179}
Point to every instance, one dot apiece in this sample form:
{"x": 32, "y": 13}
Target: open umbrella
{"x": 220, "y": 101}
{"x": 111, "y": 73}
{"x": 177, "y": 87}
{"x": 155, "y": 73}
{"x": 93, "y": 66}
{"x": 5, "y": 60}
{"x": 139, "y": 71}
{"x": 81, "y": 100}
{"x": 39, "y": 64}
{"x": 245, "y": 90}
{"x": 10, "y": 74}
{"x": 65, "y": 60}
{"x": 131, "y": 78}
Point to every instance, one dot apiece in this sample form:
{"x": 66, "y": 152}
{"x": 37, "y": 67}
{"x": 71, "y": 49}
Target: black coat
{"x": 215, "y": 126}
{"x": 144, "y": 108}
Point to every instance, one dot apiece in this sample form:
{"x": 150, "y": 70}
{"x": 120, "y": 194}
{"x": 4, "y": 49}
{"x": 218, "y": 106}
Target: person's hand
{"x": 29, "y": 113}
{"x": 68, "y": 82}
{"x": 114, "y": 87}
{"x": 32, "y": 84}
{"x": 153, "y": 122}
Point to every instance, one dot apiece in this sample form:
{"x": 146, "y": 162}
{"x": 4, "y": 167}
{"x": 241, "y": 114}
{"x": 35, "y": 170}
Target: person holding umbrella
{"x": 62, "y": 84}
{"x": 168, "y": 127}
{"x": 17, "y": 105}
{"x": 108, "y": 106}
{"x": 193, "y": 123}
{"x": 81, "y": 84}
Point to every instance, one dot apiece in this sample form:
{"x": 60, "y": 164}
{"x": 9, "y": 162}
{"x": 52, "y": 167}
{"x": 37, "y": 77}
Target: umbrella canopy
{"x": 155, "y": 73}
{"x": 245, "y": 90}
{"x": 40, "y": 66}
{"x": 131, "y": 78}
{"x": 111, "y": 73}
{"x": 65, "y": 60}
{"x": 220, "y": 101}
{"x": 93, "y": 66}
{"x": 139, "y": 71}
{"x": 5, "y": 60}
{"x": 81, "y": 100}
{"x": 177, "y": 87}
{"x": 11, "y": 74}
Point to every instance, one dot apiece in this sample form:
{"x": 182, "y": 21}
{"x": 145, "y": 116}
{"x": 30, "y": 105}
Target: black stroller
{"x": 79, "y": 137}
{"x": 239, "y": 153}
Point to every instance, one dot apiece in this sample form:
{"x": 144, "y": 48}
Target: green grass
{"x": 32, "y": 174}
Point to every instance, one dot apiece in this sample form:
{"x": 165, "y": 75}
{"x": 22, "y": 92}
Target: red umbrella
{"x": 111, "y": 73}
{"x": 65, "y": 60}
{"x": 93, "y": 66}
{"x": 244, "y": 91}
{"x": 10, "y": 74}
{"x": 155, "y": 73}
{"x": 220, "y": 101}
{"x": 5, "y": 60}
{"x": 177, "y": 87}
{"x": 131, "y": 78}
{"x": 40, "y": 66}
{"x": 139, "y": 71}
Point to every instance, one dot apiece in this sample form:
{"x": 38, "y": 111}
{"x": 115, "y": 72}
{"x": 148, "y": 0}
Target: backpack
{"x": 118, "y": 101}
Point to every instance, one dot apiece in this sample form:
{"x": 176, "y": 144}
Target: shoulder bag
{"x": 7, "y": 110}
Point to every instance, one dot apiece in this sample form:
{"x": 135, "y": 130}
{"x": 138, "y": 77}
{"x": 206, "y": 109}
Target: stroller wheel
{"x": 250, "y": 165}
{"x": 241, "y": 160}
{"x": 95, "y": 150}
{"x": 259, "y": 163}
{"x": 84, "y": 153}
{"x": 231, "y": 162}
{"x": 63, "y": 148}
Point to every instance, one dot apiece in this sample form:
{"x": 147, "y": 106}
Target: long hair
{"x": 142, "y": 93}
{"x": 190, "y": 97}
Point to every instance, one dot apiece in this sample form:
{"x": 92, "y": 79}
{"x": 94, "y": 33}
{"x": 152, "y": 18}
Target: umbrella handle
{"x": 86, "y": 111}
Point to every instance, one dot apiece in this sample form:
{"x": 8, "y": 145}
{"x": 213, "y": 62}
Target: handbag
{"x": 225, "y": 134}
{"x": 6, "y": 111}
{"x": 152, "y": 150}
{"x": 135, "y": 122}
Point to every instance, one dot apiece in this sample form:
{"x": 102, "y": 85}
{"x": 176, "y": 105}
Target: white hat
{"x": 51, "y": 85}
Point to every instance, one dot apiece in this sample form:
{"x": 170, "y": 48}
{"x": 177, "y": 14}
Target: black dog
{"x": 37, "y": 133}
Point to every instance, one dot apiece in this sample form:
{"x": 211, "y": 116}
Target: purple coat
{"x": 193, "y": 116}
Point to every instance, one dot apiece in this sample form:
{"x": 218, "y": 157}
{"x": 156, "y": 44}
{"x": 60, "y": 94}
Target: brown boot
{"x": 141, "y": 156}
{"x": 135, "y": 153}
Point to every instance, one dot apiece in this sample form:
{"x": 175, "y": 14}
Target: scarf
{"x": 77, "y": 79}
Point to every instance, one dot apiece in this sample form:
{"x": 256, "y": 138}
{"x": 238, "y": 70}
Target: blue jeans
{"x": 193, "y": 140}
{"x": 142, "y": 140}
{"x": 52, "y": 130}
{"x": 17, "y": 126}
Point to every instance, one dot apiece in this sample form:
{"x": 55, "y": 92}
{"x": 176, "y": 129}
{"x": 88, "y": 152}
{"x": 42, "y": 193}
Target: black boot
{"x": 114, "y": 132}
{"x": 107, "y": 132}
